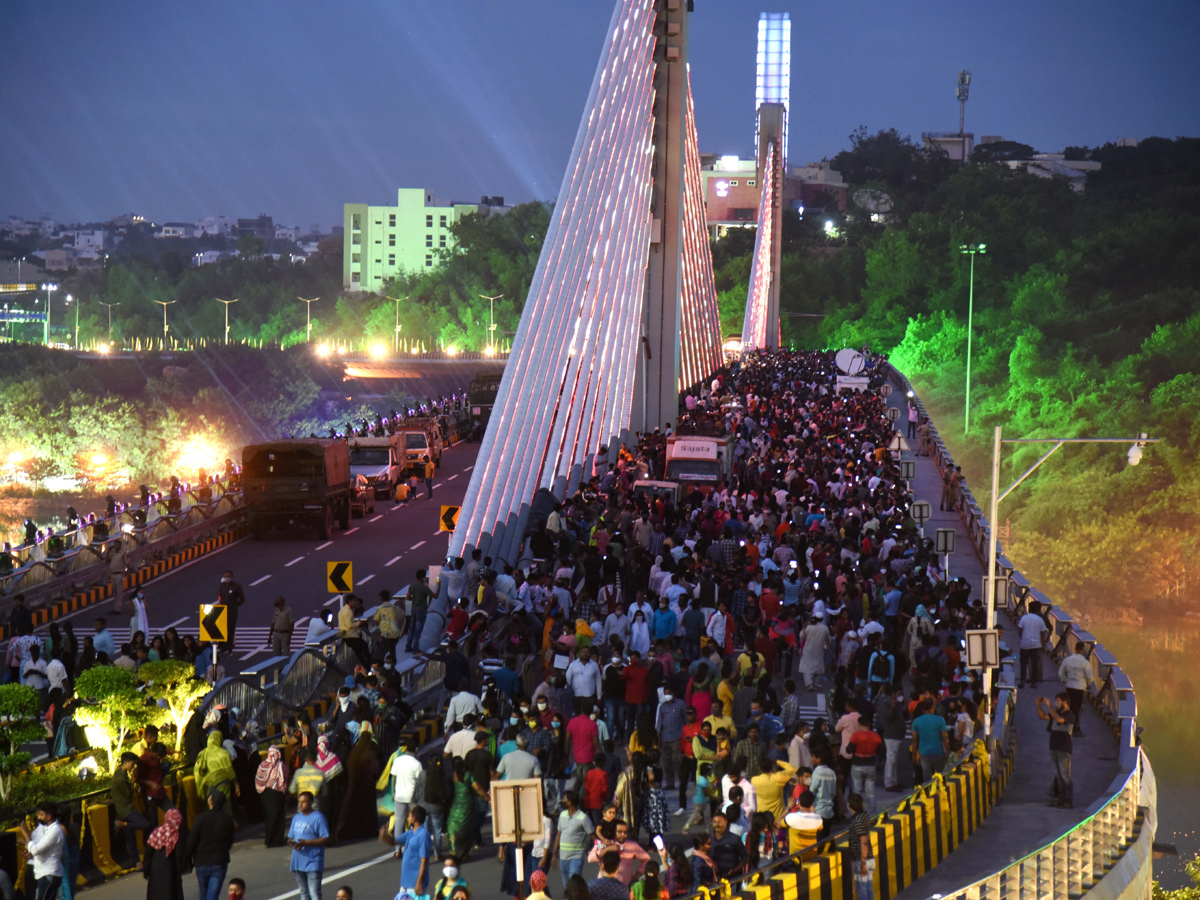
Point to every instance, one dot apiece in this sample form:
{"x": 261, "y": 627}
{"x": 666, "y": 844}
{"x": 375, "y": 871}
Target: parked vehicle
{"x": 297, "y": 484}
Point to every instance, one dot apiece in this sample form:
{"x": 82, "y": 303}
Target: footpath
{"x": 1022, "y": 821}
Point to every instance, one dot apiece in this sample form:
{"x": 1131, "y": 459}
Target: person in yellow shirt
{"x": 429, "y": 470}
{"x": 350, "y": 625}
{"x": 725, "y": 690}
{"x": 803, "y": 824}
{"x": 719, "y": 718}
{"x": 771, "y": 787}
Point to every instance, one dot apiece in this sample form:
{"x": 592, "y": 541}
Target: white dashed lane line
{"x": 352, "y": 530}
{"x": 324, "y": 545}
{"x": 392, "y": 561}
{"x": 293, "y": 562}
{"x": 468, "y": 468}
{"x": 365, "y": 580}
{"x": 452, "y": 477}
{"x": 260, "y": 581}
{"x": 377, "y": 518}
{"x": 415, "y": 546}
{"x": 439, "y": 484}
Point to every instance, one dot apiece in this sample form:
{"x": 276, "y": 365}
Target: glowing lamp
{"x": 322, "y": 349}
{"x": 378, "y": 351}
{"x": 99, "y": 459}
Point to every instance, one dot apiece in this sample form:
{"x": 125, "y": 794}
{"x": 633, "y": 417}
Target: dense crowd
{"x": 659, "y": 669}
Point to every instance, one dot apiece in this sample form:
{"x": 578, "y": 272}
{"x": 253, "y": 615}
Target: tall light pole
{"x": 226, "y": 302}
{"x": 972, "y": 250}
{"x": 396, "y": 338}
{"x": 1134, "y": 456}
{"x": 71, "y": 300}
{"x": 49, "y": 288}
{"x": 308, "y": 316}
{"x": 164, "y": 304}
{"x": 110, "y": 309}
{"x": 491, "y": 319}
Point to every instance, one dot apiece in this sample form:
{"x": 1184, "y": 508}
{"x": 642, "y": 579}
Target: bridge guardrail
{"x": 1080, "y": 857}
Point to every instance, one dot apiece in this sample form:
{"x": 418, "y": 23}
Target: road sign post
{"x": 339, "y": 577}
{"x": 944, "y": 544}
{"x": 983, "y": 648}
{"x": 516, "y": 814}
{"x": 449, "y": 518}
{"x": 908, "y": 469}
{"x": 893, "y": 414}
{"x": 921, "y": 513}
{"x": 885, "y": 391}
{"x": 214, "y": 627}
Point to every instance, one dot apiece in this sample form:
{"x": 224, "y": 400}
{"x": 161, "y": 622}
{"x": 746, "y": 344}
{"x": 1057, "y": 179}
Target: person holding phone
{"x": 307, "y": 836}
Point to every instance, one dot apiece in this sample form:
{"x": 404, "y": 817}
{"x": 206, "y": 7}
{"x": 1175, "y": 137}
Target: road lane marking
{"x": 175, "y": 623}
{"x": 300, "y": 622}
{"x": 377, "y": 518}
{"x": 332, "y": 600}
{"x": 293, "y": 562}
{"x": 337, "y": 875}
{"x": 415, "y": 546}
{"x": 260, "y": 581}
{"x": 365, "y": 580}
{"x": 324, "y": 545}
{"x": 468, "y": 468}
{"x": 439, "y": 484}
{"x": 252, "y": 653}
{"x": 352, "y": 530}
{"x": 392, "y": 561}
{"x": 436, "y": 533}
{"x": 452, "y": 477}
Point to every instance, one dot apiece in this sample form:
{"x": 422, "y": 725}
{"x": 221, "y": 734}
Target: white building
{"x": 216, "y": 225}
{"x": 175, "y": 230}
{"x": 90, "y": 243}
{"x": 208, "y": 257}
{"x": 287, "y": 232}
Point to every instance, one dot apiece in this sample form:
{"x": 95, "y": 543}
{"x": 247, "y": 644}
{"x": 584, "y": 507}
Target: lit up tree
{"x": 113, "y": 707}
{"x": 19, "y": 709}
{"x": 174, "y": 683}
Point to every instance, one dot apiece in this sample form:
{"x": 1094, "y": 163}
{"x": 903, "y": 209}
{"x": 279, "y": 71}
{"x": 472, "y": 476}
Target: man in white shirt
{"x": 583, "y": 675}
{"x": 407, "y": 782}
{"x": 1075, "y": 672}
{"x": 462, "y": 741}
{"x": 33, "y": 670}
{"x": 1033, "y": 638}
{"x": 461, "y": 705}
{"x": 45, "y": 846}
{"x": 56, "y": 674}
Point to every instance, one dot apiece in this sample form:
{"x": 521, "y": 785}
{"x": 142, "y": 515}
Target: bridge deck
{"x": 1022, "y": 822}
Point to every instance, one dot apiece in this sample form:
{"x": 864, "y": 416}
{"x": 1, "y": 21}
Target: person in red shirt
{"x": 595, "y": 789}
{"x": 637, "y": 689}
{"x": 583, "y": 736}
{"x": 769, "y": 603}
{"x": 687, "y": 761}
{"x": 767, "y": 648}
{"x": 864, "y": 744}
{"x": 457, "y": 625}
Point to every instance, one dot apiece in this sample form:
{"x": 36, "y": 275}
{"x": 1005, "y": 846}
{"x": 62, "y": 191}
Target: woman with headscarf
{"x": 630, "y": 793}
{"x": 214, "y": 769}
{"x": 271, "y": 783}
{"x": 163, "y": 865}
{"x": 920, "y": 625}
{"x": 358, "y": 817}
{"x": 334, "y": 789}
{"x": 639, "y": 633}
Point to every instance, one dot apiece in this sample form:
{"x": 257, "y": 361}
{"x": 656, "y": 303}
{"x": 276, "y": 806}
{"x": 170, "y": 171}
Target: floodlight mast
{"x": 964, "y": 88}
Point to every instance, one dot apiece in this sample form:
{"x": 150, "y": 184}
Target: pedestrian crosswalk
{"x": 249, "y": 640}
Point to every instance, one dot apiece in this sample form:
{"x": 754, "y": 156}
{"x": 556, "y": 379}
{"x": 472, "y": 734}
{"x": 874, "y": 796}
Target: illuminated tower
{"x": 774, "y": 70}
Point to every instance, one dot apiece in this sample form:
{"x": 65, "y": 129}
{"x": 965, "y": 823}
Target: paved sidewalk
{"x": 1022, "y": 822}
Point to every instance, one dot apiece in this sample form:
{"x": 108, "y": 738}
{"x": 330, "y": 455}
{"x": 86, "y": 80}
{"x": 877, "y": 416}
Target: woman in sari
{"x": 333, "y": 792}
{"x": 214, "y": 769}
{"x": 358, "y": 818}
{"x": 163, "y": 865}
{"x": 271, "y": 783}
{"x": 460, "y": 824}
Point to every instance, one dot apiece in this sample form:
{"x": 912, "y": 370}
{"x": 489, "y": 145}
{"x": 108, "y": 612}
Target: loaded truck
{"x": 420, "y": 438}
{"x": 699, "y": 460}
{"x": 380, "y": 460}
{"x": 296, "y": 484}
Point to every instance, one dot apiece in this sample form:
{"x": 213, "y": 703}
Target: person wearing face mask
{"x": 669, "y": 720}
{"x": 138, "y": 621}
{"x": 450, "y": 880}
{"x": 231, "y": 596}
{"x": 639, "y": 633}
{"x": 408, "y": 777}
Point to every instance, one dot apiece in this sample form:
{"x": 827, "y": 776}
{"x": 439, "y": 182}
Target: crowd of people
{"x": 658, "y": 669}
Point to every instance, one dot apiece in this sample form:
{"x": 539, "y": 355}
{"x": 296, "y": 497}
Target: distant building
{"x": 1049, "y": 165}
{"x": 261, "y": 227}
{"x": 380, "y": 242}
{"x": 90, "y": 243}
{"x": 957, "y": 146}
{"x": 21, "y": 271}
{"x": 732, "y": 192}
{"x": 60, "y": 259}
{"x": 216, "y": 225}
{"x": 286, "y": 232}
{"x": 126, "y": 219}
{"x": 175, "y": 230}
{"x": 208, "y": 257}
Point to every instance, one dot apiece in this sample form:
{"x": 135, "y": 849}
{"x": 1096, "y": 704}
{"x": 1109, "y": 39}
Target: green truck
{"x": 296, "y": 484}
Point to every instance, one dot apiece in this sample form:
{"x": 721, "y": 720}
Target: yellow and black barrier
{"x": 907, "y": 841}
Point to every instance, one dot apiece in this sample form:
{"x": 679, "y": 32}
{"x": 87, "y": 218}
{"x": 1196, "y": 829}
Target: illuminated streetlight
{"x": 49, "y": 289}
{"x": 491, "y": 318}
{"x": 110, "y": 309}
{"x": 226, "y": 302}
{"x": 71, "y": 300}
{"x": 971, "y": 250}
{"x": 308, "y": 316}
{"x": 396, "y": 338}
{"x": 164, "y": 304}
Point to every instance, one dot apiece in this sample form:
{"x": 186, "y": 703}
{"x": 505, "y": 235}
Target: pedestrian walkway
{"x": 1022, "y": 821}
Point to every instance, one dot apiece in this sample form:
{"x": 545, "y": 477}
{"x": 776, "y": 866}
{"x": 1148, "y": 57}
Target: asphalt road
{"x": 385, "y": 548}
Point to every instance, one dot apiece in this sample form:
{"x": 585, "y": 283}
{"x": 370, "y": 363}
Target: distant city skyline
{"x": 179, "y": 113}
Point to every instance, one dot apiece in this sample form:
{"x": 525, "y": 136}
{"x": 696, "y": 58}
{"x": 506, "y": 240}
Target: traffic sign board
{"x": 449, "y": 518}
{"x": 908, "y": 469}
{"x": 944, "y": 540}
{"x": 893, "y": 414}
{"x": 921, "y": 512}
{"x": 983, "y": 649}
{"x": 339, "y": 577}
{"x": 214, "y": 622}
{"x": 898, "y": 443}
{"x": 885, "y": 391}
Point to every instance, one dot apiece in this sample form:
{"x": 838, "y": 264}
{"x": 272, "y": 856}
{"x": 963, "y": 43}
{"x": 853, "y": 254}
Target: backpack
{"x": 881, "y": 666}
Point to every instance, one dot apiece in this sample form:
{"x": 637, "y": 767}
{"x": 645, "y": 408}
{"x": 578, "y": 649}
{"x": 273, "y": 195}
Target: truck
{"x": 292, "y": 484}
{"x": 420, "y": 438}
{"x": 380, "y": 460}
{"x": 481, "y": 396}
{"x": 699, "y": 460}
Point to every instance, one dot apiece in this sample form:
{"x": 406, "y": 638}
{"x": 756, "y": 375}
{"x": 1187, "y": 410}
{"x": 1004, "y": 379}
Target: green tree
{"x": 173, "y": 682}
{"x": 113, "y": 707}
{"x": 19, "y": 710}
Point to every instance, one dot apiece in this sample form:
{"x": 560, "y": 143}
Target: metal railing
{"x": 1072, "y": 862}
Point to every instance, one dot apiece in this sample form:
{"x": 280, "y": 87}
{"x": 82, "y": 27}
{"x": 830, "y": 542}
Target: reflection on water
{"x": 47, "y": 511}
{"x": 1160, "y": 658}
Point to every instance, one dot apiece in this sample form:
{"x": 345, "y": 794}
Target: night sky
{"x": 179, "y": 111}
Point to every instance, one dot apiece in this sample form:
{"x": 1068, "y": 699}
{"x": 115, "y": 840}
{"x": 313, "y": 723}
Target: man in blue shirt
{"x": 417, "y": 847}
{"x": 307, "y": 836}
{"x": 931, "y": 739}
{"x": 663, "y": 626}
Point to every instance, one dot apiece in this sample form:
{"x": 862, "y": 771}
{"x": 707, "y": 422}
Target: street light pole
{"x": 491, "y": 319}
{"x": 308, "y": 317}
{"x": 226, "y": 302}
{"x": 1134, "y": 457}
{"x": 71, "y": 300}
{"x": 396, "y": 336}
{"x": 164, "y": 304}
{"x": 972, "y": 250}
{"x": 49, "y": 288}
{"x": 110, "y": 309}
